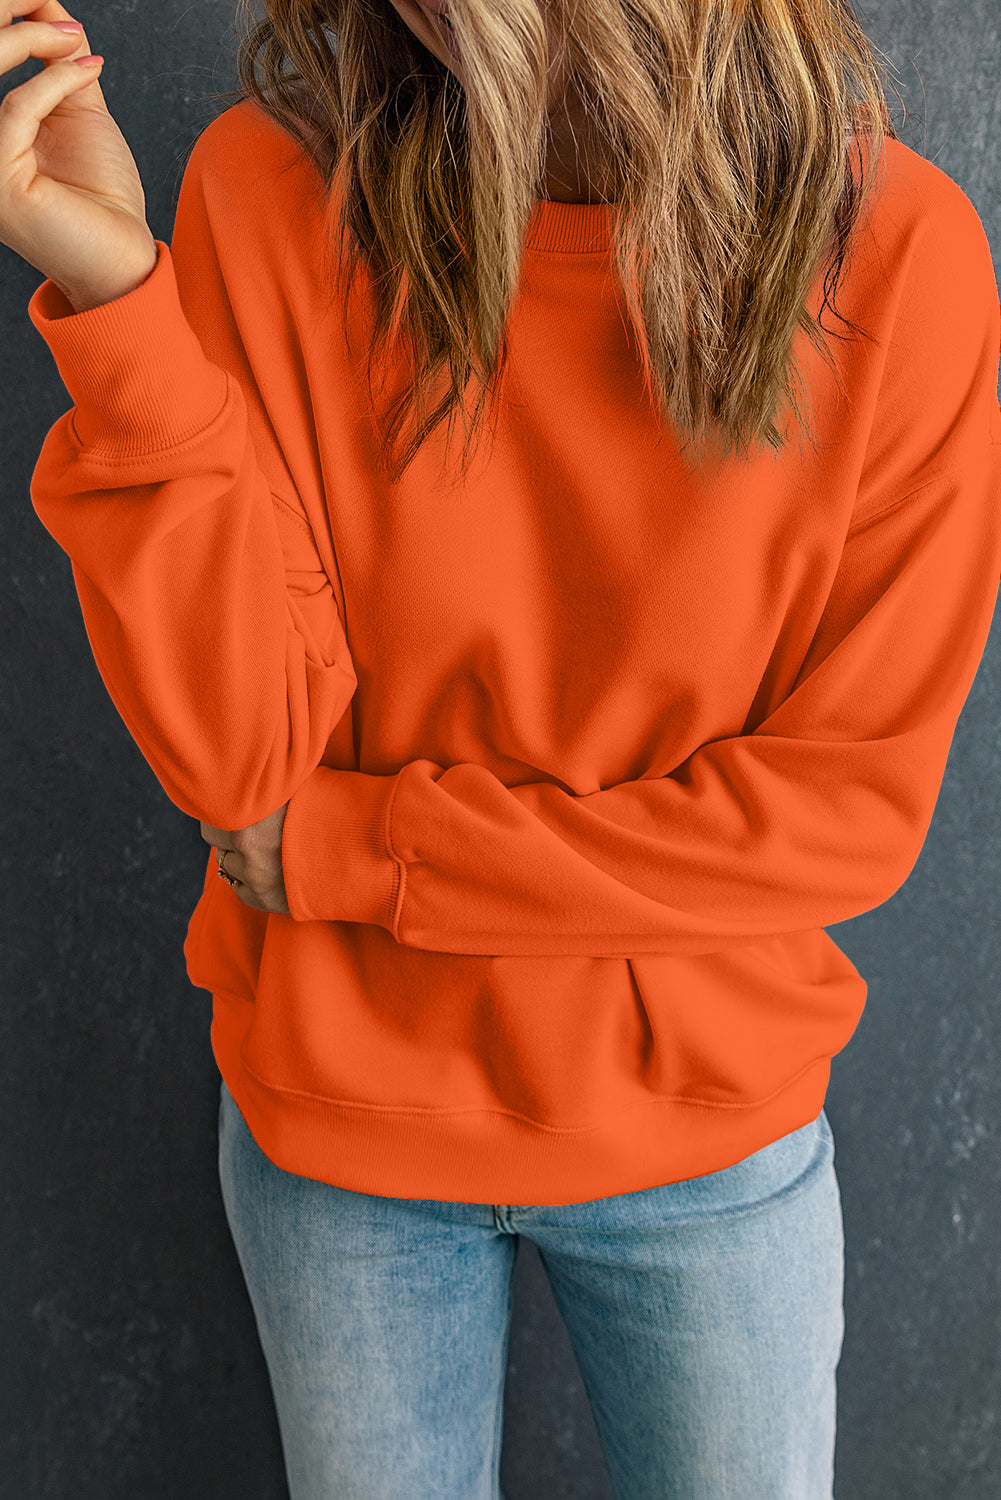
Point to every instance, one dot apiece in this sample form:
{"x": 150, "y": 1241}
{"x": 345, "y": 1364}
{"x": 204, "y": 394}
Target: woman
{"x": 531, "y": 786}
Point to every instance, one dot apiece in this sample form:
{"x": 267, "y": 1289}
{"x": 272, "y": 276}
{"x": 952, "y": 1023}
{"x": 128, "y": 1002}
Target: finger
{"x": 250, "y": 897}
{"x": 51, "y": 10}
{"x": 34, "y": 35}
{"x": 220, "y": 837}
{"x": 24, "y": 108}
{"x": 232, "y": 863}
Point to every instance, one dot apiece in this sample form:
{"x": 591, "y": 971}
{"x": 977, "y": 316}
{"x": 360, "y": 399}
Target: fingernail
{"x": 66, "y": 25}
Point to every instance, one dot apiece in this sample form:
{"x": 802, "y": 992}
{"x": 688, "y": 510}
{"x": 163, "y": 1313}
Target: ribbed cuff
{"x": 134, "y": 368}
{"x": 335, "y": 853}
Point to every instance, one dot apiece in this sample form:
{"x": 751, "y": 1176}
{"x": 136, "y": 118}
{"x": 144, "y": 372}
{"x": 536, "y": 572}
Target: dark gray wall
{"x": 130, "y": 1362}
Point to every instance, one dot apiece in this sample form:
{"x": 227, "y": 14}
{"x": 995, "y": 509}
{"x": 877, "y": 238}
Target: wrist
{"x": 113, "y": 289}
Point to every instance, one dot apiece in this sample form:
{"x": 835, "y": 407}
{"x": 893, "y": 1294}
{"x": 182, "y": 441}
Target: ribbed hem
{"x": 335, "y": 853}
{"x": 134, "y": 368}
{"x": 494, "y": 1156}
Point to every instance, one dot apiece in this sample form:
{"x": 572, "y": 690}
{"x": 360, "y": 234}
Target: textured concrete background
{"x": 130, "y": 1362}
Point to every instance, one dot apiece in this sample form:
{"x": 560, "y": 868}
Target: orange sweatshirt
{"x": 580, "y": 758}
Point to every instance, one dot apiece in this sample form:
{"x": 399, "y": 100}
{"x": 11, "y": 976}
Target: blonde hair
{"x": 728, "y": 127}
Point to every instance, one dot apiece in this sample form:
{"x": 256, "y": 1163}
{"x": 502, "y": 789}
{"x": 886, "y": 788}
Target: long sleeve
{"x": 182, "y": 488}
{"x": 210, "y": 616}
{"x": 815, "y": 817}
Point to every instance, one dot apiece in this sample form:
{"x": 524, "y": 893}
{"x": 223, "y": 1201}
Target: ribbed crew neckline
{"x": 570, "y": 228}
{"x": 578, "y": 228}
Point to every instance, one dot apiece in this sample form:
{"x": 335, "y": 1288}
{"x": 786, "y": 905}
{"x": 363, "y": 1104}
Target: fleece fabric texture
{"x": 581, "y": 757}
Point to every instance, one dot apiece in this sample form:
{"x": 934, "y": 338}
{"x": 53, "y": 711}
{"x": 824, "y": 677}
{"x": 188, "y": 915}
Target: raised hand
{"x": 71, "y": 201}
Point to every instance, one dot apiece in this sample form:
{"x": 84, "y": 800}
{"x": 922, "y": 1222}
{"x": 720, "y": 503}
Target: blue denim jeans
{"x": 706, "y": 1317}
